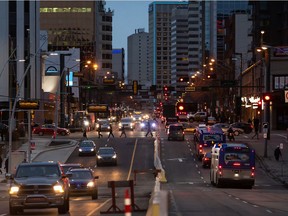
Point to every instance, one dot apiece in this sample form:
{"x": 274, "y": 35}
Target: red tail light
{"x": 236, "y": 164}
{"x": 200, "y": 146}
{"x": 220, "y": 170}
{"x": 252, "y": 171}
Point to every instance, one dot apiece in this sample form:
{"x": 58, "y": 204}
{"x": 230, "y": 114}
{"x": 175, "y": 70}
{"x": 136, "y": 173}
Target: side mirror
{"x": 9, "y": 176}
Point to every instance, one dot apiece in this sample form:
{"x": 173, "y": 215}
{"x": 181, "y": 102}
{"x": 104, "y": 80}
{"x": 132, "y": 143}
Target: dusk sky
{"x": 128, "y": 16}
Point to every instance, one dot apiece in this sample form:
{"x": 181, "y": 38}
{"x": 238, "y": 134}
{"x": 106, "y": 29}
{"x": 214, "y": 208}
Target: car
{"x": 170, "y": 120}
{"x": 188, "y": 127}
{"x": 49, "y": 129}
{"x": 105, "y": 124}
{"x": 38, "y": 185}
{"x": 137, "y": 117}
{"x": 106, "y": 155}
{"x": 211, "y": 120}
{"x": 153, "y": 124}
{"x": 83, "y": 182}
{"x": 206, "y": 160}
{"x": 225, "y": 127}
{"x": 175, "y": 132}
{"x": 247, "y": 127}
{"x": 198, "y": 116}
{"x": 67, "y": 166}
{"x": 127, "y": 123}
{"x": 86, "y": 147}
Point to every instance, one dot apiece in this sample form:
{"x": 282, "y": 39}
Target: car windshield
{"x": 176, "y": 128}
{"x": 126, "y": 120}
{"x": 81, "y": 175}
{"x": 37, "y": 171}
{"x": 106, "y": 151}
{"x": 66, "y": 168}
{"x": 86, "y": 144}
{"x": 103, "y": 122}
{"x": 234, "y": 156}
{"x": 212, "y": 137}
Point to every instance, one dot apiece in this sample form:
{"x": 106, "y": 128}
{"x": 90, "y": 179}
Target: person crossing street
{"x": 99, "y": 131}
{"x": 123, "y": 131}
{"x": 110, "y": 131}
{"x": 149, "y": 131}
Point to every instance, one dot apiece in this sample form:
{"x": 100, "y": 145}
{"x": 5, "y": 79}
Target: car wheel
{"x": 41, "y": 133}
{"x": 95, "y": 195}
{"x": 236, "y": 133}
{"x": 13, "y": 210}
{"x": 63, "y": 133}
{"x": 65, "y": 207}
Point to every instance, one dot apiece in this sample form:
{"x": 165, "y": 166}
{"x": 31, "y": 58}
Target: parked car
{"x": 175, "y": 132}
{"x": 106, "y": 155}
{"x": 225, "y": 127}
{"x": 128, "y": 123}
{"x": 87, "y": 147}
{"x": 48, "y": 129}
{"x": 67, "y": 166}
{"x": 83, "y": 182}
{"x": 206, "y": 160}
{"x": 247, "y": 127}
{"x": 38, "y": 185}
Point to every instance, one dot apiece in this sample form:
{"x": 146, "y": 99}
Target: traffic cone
{"x": 127, "y": 203}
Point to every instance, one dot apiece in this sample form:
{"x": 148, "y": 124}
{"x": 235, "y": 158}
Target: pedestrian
{"x": 99, "y": 131}
{"x": 256, "y": 127}
{"x": 123, "y": 131}
{"x": 149, "y": 129}
{"x": 277, "y": 153}
{"x": 1, "y": 164}
{"x": 231, "y": 134}
{"x": 6, "y": 167}
{"x": 85, "y": 134}
{"x": 110, "y": 131}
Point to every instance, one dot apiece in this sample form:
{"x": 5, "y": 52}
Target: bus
{"x": 205, "y": 137}
{"x": 232, "y": 163}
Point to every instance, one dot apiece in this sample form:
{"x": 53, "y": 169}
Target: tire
{"x": 95, "y": 195}
{"x": 236, "y": 133}
{"x": 63, "y": 133}
{"x": 41, "y": 133}
{"x": 13, "y": 210}
{"x": 218, "y": 184}
{"x": 65, "y": 207}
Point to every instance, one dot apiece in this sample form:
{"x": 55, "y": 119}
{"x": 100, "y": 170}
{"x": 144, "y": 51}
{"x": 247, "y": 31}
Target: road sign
{"x": 190, "y": 88}
{"x": 286, "y": 96}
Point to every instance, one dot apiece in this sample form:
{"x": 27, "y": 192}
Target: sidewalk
{"x": 45, "y": 150}
{"x": 278, "y": 170}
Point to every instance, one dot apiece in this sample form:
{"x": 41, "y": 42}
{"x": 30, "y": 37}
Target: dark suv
{"x": 38, "y": 185}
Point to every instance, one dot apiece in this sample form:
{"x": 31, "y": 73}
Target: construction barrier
{"x": 127, "y": 203}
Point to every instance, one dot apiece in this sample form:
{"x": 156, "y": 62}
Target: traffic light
{"x": 259, "y": 105}
{"x": 180, "y": 107}
{"x": 166, "y": 91}
{"x": 267, "y": 97}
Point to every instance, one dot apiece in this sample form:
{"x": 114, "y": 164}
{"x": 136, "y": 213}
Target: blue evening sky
{"x": 128, "y": 16}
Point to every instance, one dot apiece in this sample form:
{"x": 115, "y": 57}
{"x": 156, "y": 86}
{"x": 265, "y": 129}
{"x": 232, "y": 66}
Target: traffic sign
{"x": 286, "y": 96}
{"x": 190, "y": 88}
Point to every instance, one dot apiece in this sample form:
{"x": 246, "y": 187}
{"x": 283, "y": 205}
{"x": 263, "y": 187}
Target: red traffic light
{"x": 266, "y": 98}
{"x": 259, "y": 103}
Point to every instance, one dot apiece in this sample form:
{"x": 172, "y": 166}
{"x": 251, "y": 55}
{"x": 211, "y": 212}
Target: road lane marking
{"x": 98, "y": 208}
{"x": 132, "y": 160}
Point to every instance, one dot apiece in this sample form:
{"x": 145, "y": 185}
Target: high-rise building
{"x": 179, "y": 48}
{"x": 138, "y": 58}
{"x": 160, "y": 31}
{"x": 20, "y": 54}
{"x": 118, "y": 63}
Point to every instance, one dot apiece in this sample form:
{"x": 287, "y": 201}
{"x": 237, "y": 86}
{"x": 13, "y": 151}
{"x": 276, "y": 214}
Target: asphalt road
{"x": 191, "y": 193}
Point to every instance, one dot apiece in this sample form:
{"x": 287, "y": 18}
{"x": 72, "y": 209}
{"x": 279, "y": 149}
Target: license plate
{"x": 236, "y": 171}
{"x": 35, "y": 200}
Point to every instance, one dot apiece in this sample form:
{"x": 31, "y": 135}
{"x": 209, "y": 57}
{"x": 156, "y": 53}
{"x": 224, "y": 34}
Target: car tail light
{"x": 252, "y": 171}
{"x": 236, "y": 164}
{"x": 220, "y": 170}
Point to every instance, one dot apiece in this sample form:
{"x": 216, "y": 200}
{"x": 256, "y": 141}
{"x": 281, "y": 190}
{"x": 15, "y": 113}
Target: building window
{"x": 279, "y": 82}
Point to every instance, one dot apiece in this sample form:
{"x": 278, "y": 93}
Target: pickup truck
{"x": 38, "y": 185}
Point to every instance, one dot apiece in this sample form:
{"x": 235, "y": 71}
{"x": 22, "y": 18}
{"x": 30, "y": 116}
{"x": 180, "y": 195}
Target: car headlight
{"x": 58, "y": 188}
{"x": 86, "y": 123}
{"x": 120, "y": 125}
{"x": 80, "y": 150}
{"x": 153, "y": 125}
{"x": 14, "y": 190}
{"x": 114, "y": 156}
{"x": 92, "y": 149}
{"x": 99, "y": 157}
{"x": 90, "y": 184}
{"x": 142, "y": 125}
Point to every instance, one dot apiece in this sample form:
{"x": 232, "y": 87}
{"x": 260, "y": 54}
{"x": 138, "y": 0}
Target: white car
{"x": 198, "y": 116}
{"x": 127, "y": 123}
